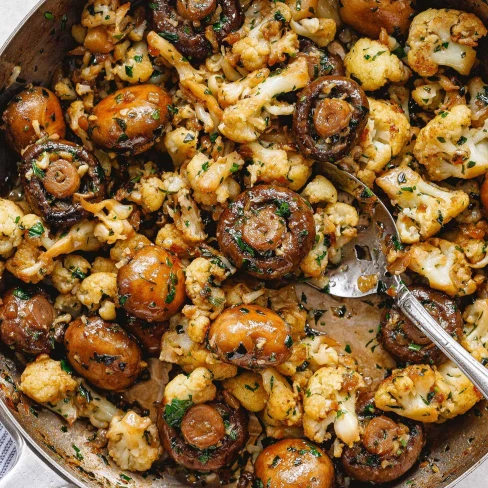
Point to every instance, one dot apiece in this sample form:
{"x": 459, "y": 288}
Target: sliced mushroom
{"x": 267, "y": 231}
{"x": 54, "y": 175}
{"x": 329, "y": 117}
{"x": 320, "y": 61}
{"x": 193, "y": 22}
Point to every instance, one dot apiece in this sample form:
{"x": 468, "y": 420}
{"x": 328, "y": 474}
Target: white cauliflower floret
{"x": 99, "y": 12}
{"x": 248, "y": 388}
{"x": 69, "y": 272}
{"x": 99, "y": 292}
{"x": 373, "y": 65}
{"x": 443, "y": 38}
{"x": 478, "y": 102}
{"x": 171, "y": 238}
{"x": 68, "y": 303}
{"x": 113, "y": 217}
{"x": 211, "y": 180}
{"x": 475, "y": 337}
{"x": 472, "y": 240}
{"x": 197, "y": 387}
{"x": 133, "y": 442}
{"x": 320, "y": 190}
{"x": 268, "y": 42}
{"x": 95, "y": 407}
{"x": 275, "y": 165}
{"x": 320, "y": 31}
{"x": 137, "y": 67}
{"x": 447, "y": 146}
{"x": 10, "y": 232}
{"x": 230, "y": 93}
{"x": 319, "y": 352}
{"x": 387, "y": 132}
{"x": 45, "y": 380}
{"x": 148, "y": 193}
{"x": 330, "y": 397}
{"x": 242, "y": 122}
{"x": 423, "y": 207}
{"x": 283, "y": 406}
{"x": 181, "y": 145}
{"x": 416, "y": 392}
{"x": 444, "y": 266}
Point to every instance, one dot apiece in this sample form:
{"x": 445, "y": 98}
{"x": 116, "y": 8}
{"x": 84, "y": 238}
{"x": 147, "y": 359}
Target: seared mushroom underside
{"x": 55, "y": 175}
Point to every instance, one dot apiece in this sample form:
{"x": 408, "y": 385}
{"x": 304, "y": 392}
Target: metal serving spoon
{"x": 364, "y": 256}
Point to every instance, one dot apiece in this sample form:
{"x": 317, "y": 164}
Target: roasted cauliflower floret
{"x": 320, "y": 190}
{"x": 387, "y": 132}
{"x": 45, "y": 380}
{"x": 197, "y": 387}
{"x": 373, "y": 65}
{"x": 283, "y": 406}
{"x": 443, "y": 38}
{"x": 447, "y": 146}
{"x": 10, "y": 232}
{"x": 69, "y": 272}
{"x": 148, "y": 193}
{"x": 444, "y": 265}
{"x": 330, "y": 397}
{"x": 248, "y": 388}
{"x": 471, "y": 238}
{"x": 319, "y": 30}
{"x": 268, "y": 42}
{"x": 99, "y": 292}
{"x": 133, "y": 442}
{"x": 274, "y": 165}
{"x": 137, "y": 66}
{"x": 211, "y": 180}
{"x": 181, "y": 145}
{"x": 243, "y": 121}
{"x": 423, "y": 207}
{"x": 475, "y": 337}
{"x": 416, "y": 392}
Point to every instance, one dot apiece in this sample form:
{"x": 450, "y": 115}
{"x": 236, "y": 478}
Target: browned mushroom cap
{"x": 152, "y": 284}
{"x": 251, "y": 337}
{"x": 36, "y": 105}
{"x": 192, "y": 22}
{"x": 148, "y": 334}
{"x": 388, "y": 449}
{"x": 27, "y": 321}
{"x": 484, "y": 194}
{"x": 320, "y": 62}
{"x": 103, "y": 353}
{"x": 329, "y": 117}
{"x": 294, "y": 463}
{"x": 368, "y": 17}
{"x": 208, "y": 437}
{"x": 131, "y": 119}
{"x": 406, "y": 342}
{"x": 54, "y": 192}
{"x": 267, "y": 231}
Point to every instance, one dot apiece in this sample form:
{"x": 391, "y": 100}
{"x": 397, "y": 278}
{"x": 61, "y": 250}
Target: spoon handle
{"x": 414, "y": 310}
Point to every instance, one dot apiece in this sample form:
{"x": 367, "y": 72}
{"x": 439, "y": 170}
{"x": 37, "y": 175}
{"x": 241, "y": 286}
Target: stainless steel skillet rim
{"x": 18, "y": 429}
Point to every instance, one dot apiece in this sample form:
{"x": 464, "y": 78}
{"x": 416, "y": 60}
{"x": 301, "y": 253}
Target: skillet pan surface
{"x": 454, "y": 449}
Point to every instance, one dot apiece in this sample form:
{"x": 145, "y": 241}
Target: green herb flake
{"x": 36, "y": 230}
{"x": 78, "y": 454}
{"x": 49, "y": 15}
{"x": 174, "y": 411}
{"x": 169, "y": 36}
{"x": 173, "y": 281}
{"x": 129, "y": 71}
{"x": 21, "y": 294}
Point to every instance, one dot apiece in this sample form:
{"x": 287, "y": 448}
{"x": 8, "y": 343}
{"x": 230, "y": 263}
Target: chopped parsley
{"x": 174, "y": 411}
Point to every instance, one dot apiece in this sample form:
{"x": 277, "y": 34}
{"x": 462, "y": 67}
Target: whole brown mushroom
{"x": 32, "y": 114}
{"x": 26, "y": 321}
{"x": 152, "y": 284}
{"x": 368, "y": 17}
{"x": 130, "y": 120}
{"x": 103, "y": 353}
{"x": 251, "y": 337}
{"x": 294, "y": 462}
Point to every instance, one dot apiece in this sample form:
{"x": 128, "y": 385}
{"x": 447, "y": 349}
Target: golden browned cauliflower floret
{"x": 330, "y": 397}
{"x": 475, "y": 337}
{"x": 319, "y": 30}
{"x": 387, "y": 132}
{"x": 248, "y": 388}
{"x": 243, "y": 121}
{"x": 423, "y": 207}
{"x": 171, "y": 238}
{"x": 10, "y": 232}
{"x": 133, "y": 442}
{"x": 148, "y": 193}
{"x": 275, "y": 165}
{"x": 416, "y": 392}
{"x": 472, "y": 240}
{"x": 372, "y": 65}
{"x": 137, "y": 66}
{"x": 444, "y": 265}
{"x": 447, "y": 146}
{"x": 69, "y": 272}
{"x": 478, "y": 101}
{"x": 197, "y": 387}
{"x": 211, "y": 180}
{"x": 283, "y": 406}
{"x": 443, "y": 38}
{"x": 181, "y": 145}
{"x": 99, "y": 12}
{"x": 45, "y": 381}
{"x": 99, "y": 292}
{"x": 320, "y": 190}
{"x": 267, "y": 41}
